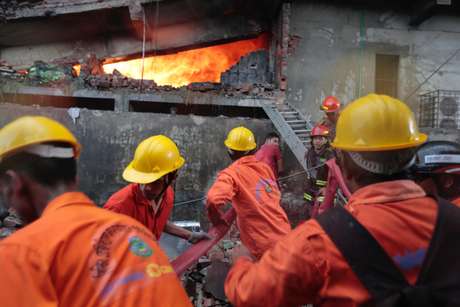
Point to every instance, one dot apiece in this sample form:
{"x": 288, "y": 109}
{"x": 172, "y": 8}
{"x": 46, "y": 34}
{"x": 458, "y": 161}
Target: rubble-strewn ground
{"x": 9, "y": 223}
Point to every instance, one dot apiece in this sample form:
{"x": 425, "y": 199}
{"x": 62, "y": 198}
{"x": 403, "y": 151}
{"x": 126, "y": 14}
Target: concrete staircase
{"x": 293, "y": 127}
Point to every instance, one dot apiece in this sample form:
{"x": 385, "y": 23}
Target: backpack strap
{"x": 441, "y": 266}
{"x": 438, "y": 283}
{"x": 368, "y": 260}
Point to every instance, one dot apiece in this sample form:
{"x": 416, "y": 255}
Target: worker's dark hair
{"x": 236, "y": 154}
{"x": 46, "y": 171}
{"x": 272, "y": 135}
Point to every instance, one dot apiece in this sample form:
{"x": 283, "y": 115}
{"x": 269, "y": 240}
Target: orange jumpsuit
{"x": 76, "y": 254}
{"x": 250, "y": 186}
{"x": 306, "y": 267}
{"x": 456, "y": 201}
{"x": 130, "y": 201}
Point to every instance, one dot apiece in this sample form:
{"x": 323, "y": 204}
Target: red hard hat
{"x": 330, "y": 104}
{"x": 320, "y": 130}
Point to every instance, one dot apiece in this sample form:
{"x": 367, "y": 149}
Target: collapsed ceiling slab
{"x": 64, "y": 20}
{"x": 66, "y": 31}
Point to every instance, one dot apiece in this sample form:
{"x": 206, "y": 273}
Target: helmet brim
{"x": 422, "y": 138}
{"x": 229, "y": 144}
{"x": 132, "y": 175}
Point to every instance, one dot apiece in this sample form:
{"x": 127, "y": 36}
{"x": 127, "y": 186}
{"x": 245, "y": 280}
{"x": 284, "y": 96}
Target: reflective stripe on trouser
{"x": 321, "y": 183}
{"x": 309, "y": 197}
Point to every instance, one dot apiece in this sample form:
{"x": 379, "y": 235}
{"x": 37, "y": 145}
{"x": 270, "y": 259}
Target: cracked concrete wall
{"x": 109, "y": 140}
{"x": 334, "y": 48}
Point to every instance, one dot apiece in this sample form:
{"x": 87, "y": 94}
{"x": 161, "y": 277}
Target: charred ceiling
{"x": 186, "y": 22}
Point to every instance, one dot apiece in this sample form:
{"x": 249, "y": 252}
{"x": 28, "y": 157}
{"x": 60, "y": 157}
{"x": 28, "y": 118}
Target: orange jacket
{"x": 76, "y": 254}
{"x": 251, "y": 187}
{"x": 306, "y": 267}
{"x": 130, "y": 201}
{"x": 456, "y": 201}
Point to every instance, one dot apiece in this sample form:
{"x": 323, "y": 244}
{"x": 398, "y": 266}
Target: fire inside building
{"x": 229, "y": 153}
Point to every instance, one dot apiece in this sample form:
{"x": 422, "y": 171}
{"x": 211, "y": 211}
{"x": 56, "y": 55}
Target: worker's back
{"x": 261, "y": 219}
{"x": 79, "y": 255}
{"x": 307, "y": 267}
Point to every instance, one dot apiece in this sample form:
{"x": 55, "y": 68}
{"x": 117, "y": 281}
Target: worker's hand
{"x": 215, "y": 216}
{"x": 196, "y": 237}
{"x": 240, "y": 251}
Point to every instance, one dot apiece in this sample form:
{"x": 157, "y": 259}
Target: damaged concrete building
{"x": 117, "y": 71}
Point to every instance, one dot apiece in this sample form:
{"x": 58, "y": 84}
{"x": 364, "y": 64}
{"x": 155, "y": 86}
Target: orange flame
{"x": 196, "y": 65}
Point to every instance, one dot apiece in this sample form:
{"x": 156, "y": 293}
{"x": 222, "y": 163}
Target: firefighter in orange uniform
{"x": 373, "y": 249}
{"x": 250, "y": 186}
{"x": 150, "y": 197}
{"x": 437, "y": 169}
{"x": 71, "y": 253}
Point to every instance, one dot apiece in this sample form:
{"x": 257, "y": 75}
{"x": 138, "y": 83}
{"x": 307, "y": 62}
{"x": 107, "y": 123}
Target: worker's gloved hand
{"x": 197, "y": 236}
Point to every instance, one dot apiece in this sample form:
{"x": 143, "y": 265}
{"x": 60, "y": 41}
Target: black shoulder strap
{"x": 368, "y": 260}
{"x": 438, "y": 283}
{"x": 441, "y": 267}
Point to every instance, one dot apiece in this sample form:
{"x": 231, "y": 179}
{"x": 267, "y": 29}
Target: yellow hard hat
{"x": 377, "y": 123}
{"x": 155, "y": 157}
{"x": 32, "y": 130}
{"x": 240, "y": 139}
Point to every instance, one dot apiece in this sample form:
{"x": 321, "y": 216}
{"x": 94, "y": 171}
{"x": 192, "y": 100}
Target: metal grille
{"x": 440, "y": 109}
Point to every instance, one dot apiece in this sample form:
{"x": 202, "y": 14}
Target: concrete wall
{"x": 109, "y": 140}
{"x": 334, "y": 52}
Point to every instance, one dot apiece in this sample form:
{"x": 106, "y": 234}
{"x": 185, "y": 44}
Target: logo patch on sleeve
{"x": 139, "y": 248}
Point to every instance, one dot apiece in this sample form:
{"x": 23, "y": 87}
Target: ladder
{"x": 293, "y": 127}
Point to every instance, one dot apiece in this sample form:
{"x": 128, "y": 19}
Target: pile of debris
{"x": 40, "y": 73}
{"x": 8, "y": 8}
{"x": 117, "y": 81}
{"x": 204, "y": 282}
{"x": 9, "y": 223}
{"x": 90, "y": 74}
{"x": 7, "y": 72}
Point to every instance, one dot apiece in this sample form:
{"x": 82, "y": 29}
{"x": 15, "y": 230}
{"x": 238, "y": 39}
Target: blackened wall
{"x": 109, "y": 140}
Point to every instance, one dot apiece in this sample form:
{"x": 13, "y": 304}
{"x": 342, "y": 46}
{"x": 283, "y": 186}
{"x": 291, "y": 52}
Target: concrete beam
{"x": 54, "y": 8}
{"x": 123, "y": 97}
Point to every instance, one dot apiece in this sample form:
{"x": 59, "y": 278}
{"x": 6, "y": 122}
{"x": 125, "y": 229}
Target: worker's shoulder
{"x": 122, "y": 196}
{"x": 310, "y": 228}
{"x": 70, "y": 225}
{"x": 307, "y": 238}
{"x": 19, "y": 239}
{"x": 100, "y": 218}
{"x": 247, "y": 165}
{"x": 32, "y": 238}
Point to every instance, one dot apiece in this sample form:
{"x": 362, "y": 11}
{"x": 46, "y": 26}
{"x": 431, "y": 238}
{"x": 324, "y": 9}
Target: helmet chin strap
{"x": 168, "y": 179}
